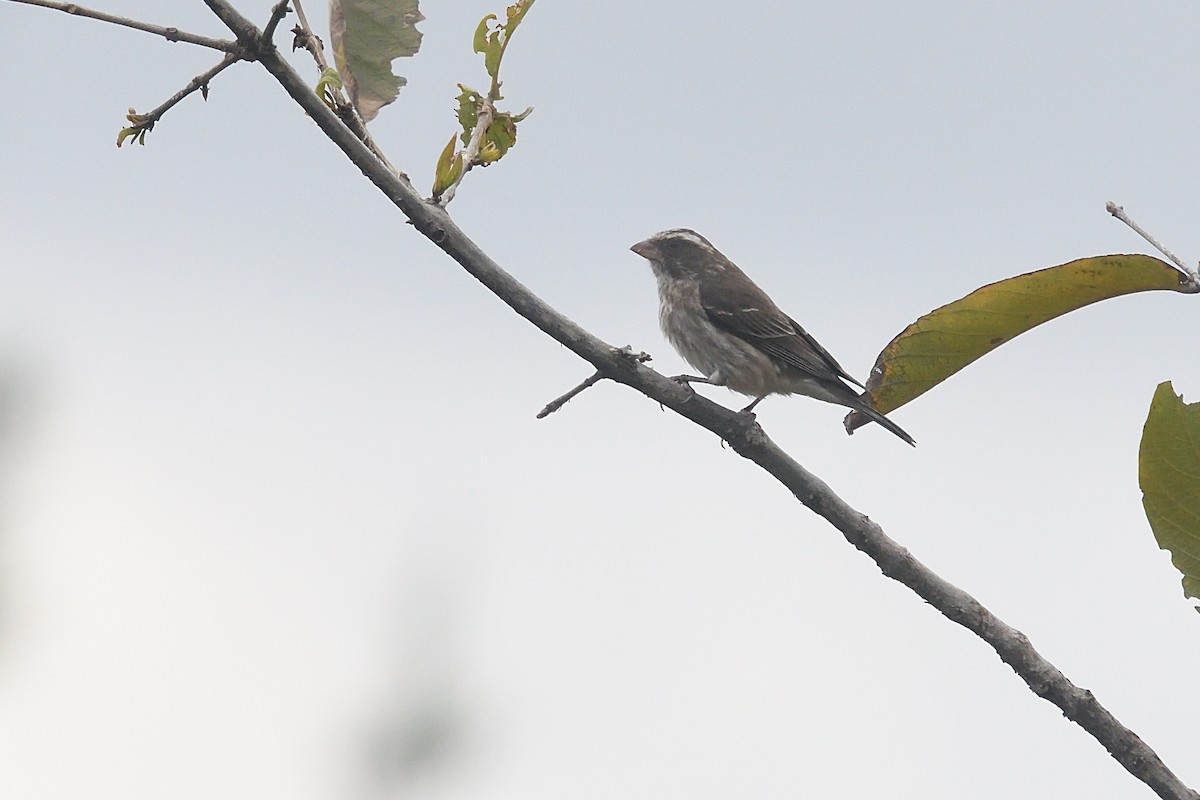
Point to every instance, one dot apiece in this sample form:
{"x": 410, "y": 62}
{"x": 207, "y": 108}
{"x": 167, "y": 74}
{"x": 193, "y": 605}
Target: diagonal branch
{"x": 171, "y": 34}
{"x": 145, "y": 122}
{"x": 255, "y": 40}
{"x": 744, "y": 435}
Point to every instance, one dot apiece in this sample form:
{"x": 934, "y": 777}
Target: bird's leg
{"x": 686, "y": 382}
{"x": 750, "y": 408}
{"x": 686, "y": 379}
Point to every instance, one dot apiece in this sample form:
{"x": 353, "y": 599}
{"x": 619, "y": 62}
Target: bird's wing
{"x": 752, "y": 316}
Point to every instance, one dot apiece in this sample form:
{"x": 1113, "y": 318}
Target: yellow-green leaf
{"x": 138, "y": 130}
{"x": 481, "y": 32}
{"x": 449, "y": 167}
{"x": 124, "y": 134}
{"x": 329, "y": 83}
{"x": 367, "y": 35}
{"x": 1169, "y": 476}
{"x": 949, "y": 338}
{"x": 469, "y": 102}
{"x": 499, "y": 137}
{"x": 492, "y": 54}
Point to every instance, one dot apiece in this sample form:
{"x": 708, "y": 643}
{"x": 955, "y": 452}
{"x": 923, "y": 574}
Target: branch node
{"x": 171, "y": 34}
{"x": 278, "y": 12}
{"x": 747, "y": 433}
{"x": 307, "y": 40}
{"x": 626, "y": 353}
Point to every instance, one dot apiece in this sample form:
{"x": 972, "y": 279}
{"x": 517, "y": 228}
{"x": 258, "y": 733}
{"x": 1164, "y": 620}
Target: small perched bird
{"x": 726, "y": 327}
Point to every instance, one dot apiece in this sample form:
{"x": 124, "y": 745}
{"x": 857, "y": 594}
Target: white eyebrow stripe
{"x": 684, "y": 234}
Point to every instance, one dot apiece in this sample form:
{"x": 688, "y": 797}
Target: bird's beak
{"x": 646, "y": 249}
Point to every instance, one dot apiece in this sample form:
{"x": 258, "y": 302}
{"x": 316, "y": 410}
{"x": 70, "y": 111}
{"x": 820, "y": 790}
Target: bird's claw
{"x": 685, "y": 382}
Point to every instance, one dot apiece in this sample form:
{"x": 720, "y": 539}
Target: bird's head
{"x": 681, "y": 253}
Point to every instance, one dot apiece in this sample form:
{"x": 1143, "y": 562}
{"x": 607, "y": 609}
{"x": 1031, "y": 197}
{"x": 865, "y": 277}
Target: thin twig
{"x": 201, "y": 81}
{"x": 1119, "y": 212}
{"x": 171, "y": 34}
{"x": 146, "y": 122}
{"x": 559, "y": 402}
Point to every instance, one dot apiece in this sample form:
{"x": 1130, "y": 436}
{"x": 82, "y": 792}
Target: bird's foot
{"x": 685, "y": 381}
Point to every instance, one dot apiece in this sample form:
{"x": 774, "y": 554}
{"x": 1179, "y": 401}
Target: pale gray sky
{"x": 278, "y": 520}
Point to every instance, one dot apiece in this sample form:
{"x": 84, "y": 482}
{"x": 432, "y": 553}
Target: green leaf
{"x": 449, "y": 168}
{"x": 329, "y": 83}
{"x": 469, "y": 102}
{"x": 500, "y": 136}
{"x": 367, "y": 36}
{"x": 481, "y": 32}
{"x": 492, "y": 54}
{"x": 138, "y": 130}
{"x": 1169, "y": 476}
{"x": 949, "y": 338}
{"x": 492, "y": 42}
{"x": 456, "y": 169}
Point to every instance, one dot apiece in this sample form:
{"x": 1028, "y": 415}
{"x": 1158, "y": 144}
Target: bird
{"x": 726, "y": 327}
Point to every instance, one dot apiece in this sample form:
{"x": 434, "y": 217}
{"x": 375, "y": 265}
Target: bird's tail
{"x": 864, "y": 405}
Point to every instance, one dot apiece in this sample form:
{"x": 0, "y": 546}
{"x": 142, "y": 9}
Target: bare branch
{"x": 743, "y": 434}
{"x": 559, "y": 402}
{"x": 145, "y": 122}
{"x": 169, "y": 33}
{"x": 1119, "y": 212}
{"x": 1013, "y": 647}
